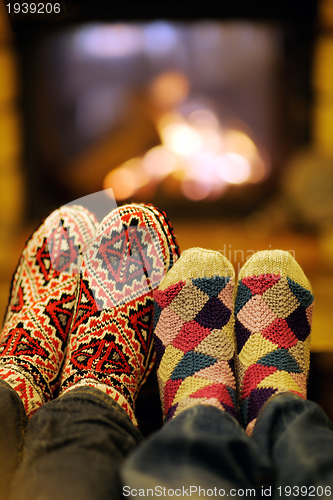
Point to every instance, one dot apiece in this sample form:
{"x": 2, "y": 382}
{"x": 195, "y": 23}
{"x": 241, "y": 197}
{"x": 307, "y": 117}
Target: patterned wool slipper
{"x": 273, "y": 312}
{"x": 110, "y": 345}
{"x": 194, "y": 333}
{"x": 41, "y": 304}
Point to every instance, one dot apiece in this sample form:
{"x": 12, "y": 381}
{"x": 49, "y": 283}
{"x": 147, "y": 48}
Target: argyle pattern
{"x": 111, "y": 344}
{"x": 41, "y": 304}
{"x": 194, "y": 337}
{"x": 273, "y": 323}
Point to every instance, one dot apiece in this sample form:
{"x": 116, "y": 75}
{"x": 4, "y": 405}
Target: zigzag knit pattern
{"x": 56, "y": 247}
{"x": 273, "y": 312}
{"x": 40, "y": 310}
{"x": 194, "y": 337}
{"x": 110, "y": 345}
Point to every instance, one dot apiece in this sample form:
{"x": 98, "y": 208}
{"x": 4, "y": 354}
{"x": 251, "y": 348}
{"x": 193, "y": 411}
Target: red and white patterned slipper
{"x": 41, "y": 304}
{"x": 111, "y": 341}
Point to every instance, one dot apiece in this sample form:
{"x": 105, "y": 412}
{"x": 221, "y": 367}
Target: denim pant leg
{"x": 297, "y": 436}
{"x": 73, "y": 449}
{"x": 13, "y": 422}
{"x": 201, "y": 447}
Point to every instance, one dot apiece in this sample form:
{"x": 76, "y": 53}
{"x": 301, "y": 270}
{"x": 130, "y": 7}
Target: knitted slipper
{"x": 40, "y": 308}
{"x": 110, "y": 345}
{"x": 194, "y": 334}
{"x": 273, "y": 311}
{"x": 55, "y": 247}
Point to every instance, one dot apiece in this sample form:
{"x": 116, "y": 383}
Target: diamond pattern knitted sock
{"x": 194, "y": 335}
{"x": 110, "y": 345}
{"x": 273, "y": 312}
{"x": 41, "y": 303}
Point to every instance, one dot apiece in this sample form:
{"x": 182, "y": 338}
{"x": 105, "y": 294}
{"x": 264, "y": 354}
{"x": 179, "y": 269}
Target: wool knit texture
{"x": 41, "y": 304}
{"x": 273, "y": 311}
{"x": 194, "y": 333}
{"x": 110, "y": 344}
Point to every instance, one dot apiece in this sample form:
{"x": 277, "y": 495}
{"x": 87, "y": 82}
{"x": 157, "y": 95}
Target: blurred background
{"x": 223, "y": 121}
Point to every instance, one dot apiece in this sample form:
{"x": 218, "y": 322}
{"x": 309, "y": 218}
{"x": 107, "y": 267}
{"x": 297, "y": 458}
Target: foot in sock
{"x": 110, "y": 345}
{"x": 273, "y": 311}
{"x": 41, "y": 304}
{"x": 194, "y": 334}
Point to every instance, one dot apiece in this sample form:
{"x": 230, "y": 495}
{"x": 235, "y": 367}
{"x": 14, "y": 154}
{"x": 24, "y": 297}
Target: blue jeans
{"x": 205, "y": 452}
{"x": 75, "y": 447}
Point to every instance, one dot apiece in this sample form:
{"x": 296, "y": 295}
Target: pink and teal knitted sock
{"x": 40, "y": 309}
{"x": 194, "y": 335}
{"x": 273, "y": 311}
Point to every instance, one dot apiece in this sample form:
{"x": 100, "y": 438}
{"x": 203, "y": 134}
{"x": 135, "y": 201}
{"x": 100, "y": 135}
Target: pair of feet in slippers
{"x": 87, "y": 300}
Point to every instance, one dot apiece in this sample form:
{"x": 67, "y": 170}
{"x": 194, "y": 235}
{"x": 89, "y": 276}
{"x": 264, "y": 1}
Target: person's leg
{"x": 202, "y": 447}
{"x": 292, "y": 437}
{"x": 13, "y": 422}
{"x": 41, "y": 303}
{"x": 36, "y": 325}
{"x": 273, "y": 311}
{"x": 297, "y": 436}
{"x": 273, "y": 323}
{"x": 111, "y": 340}
{"x": 76, "y": 443}
{"x": 194, "y": 333}
{"x": 202, "y": 444}
{"x": 289, "y": 453}
{"x": 74, "y": 448}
